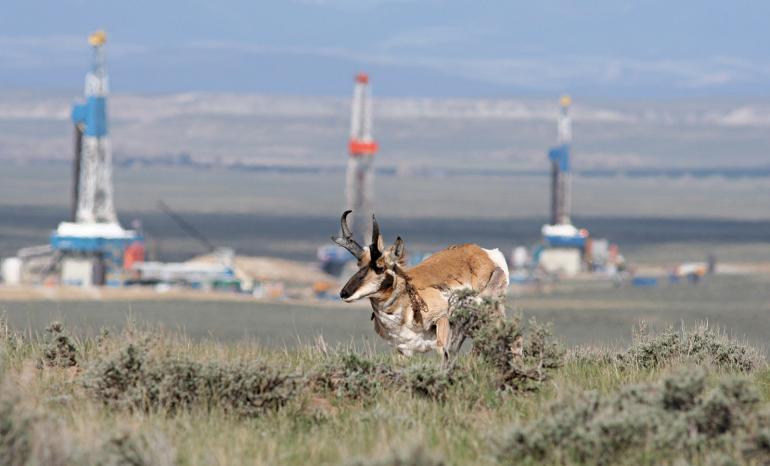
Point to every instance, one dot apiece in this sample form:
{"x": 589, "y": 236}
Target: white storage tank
{"x": 77, "y": 272}
{"x": 11, "y": 271}
{"x": 562, "y": 261}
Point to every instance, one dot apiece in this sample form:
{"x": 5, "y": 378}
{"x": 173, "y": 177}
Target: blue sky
{"x": 600, "y": 48}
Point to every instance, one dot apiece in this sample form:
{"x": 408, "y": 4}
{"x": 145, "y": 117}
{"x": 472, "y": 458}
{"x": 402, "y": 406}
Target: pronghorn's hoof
{"x": 406, "y": 353}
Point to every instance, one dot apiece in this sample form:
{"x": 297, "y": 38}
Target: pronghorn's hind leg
{"x": 442, "y": 336}
{"x": 496, "y": 288}
{"x": 497, "y": 284}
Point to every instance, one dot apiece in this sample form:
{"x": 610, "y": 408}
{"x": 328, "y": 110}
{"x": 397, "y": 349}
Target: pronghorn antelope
{"x": 411, "y": 304}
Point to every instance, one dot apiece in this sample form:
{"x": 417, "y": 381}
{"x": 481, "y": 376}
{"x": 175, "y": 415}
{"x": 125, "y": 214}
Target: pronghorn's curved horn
{"x": 346, "y": 240}
{"x": 346, "y": 233}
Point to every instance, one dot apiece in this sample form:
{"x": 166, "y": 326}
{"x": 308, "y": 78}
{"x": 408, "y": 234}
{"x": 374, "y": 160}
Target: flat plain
{"x": 595, "y": 313}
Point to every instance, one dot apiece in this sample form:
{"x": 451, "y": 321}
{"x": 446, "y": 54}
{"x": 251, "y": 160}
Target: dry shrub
{"x": 29, "y": 436}
{"x": 131, "y": 378}
{"x": 132, "y": 448}
{"x": 10, "y": 338}
{"x": 15, "y": 434}
{"x": 677, "y": 418}
{"x": 59, "y": 350}
{"x": 248, "y": 389}
{"x": 427, "y": 380}
{"x": 524, "y": 357}
{"x": 414, "y": 457}
{"x": 351, "y": 376}
{"x": 702, "y": 345}
{"x": 118, "y": 379}
{"x": 469, "y": 314}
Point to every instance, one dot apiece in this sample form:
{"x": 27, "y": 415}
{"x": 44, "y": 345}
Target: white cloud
{"x": 749, "y": 115}
{"x": 432, "y": 37}
{"x": 542, "y": 72}
{"x": 25, "y": 52}
{"x": 538, "y": 72}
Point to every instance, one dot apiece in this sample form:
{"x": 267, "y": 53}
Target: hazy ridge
{"x": 226, "y": 129}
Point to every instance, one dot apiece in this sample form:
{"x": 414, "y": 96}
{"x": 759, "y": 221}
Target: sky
{"x": 430, "y": 48}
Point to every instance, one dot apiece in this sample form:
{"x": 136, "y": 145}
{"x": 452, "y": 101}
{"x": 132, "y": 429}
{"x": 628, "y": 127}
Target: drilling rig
{"x": 559, "y": 156}
{"x": 92, "y": 248}
{"x": 359, "y": 179}
{"x": 565, "y": 245}
{"x": 359, "y": 186}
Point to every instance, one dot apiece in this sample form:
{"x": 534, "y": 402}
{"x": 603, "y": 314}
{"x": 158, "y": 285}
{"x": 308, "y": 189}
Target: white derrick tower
{"x": 94, "y": 194}
{"x": 561, "y": 176}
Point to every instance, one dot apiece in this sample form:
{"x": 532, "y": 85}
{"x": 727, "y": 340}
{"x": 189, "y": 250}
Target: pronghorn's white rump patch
{"x": 499, "y": 260}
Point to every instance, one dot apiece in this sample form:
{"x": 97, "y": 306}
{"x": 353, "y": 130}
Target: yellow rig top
{"x": 98, "y": 38}
{"x": 565, "y": 101}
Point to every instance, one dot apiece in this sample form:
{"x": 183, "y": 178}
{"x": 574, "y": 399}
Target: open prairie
{"x": 147, "y": 397}
{"x": 582, "y": 313}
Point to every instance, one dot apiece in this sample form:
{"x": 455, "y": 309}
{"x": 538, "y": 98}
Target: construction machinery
{"x": 221, "y": 273}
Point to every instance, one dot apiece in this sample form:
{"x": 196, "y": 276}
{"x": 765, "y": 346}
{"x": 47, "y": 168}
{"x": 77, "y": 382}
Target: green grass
{"x": 53, "y": 415}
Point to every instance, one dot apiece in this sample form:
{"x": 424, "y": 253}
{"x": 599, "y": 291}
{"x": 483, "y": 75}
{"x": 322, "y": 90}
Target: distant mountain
{"x": 511, "y": 134}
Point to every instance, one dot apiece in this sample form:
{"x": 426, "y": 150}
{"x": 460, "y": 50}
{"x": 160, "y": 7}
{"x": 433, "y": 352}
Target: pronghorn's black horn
{"x": 346, "y": 233}
{"x": 375, "y": 231}
{"x": 346, "y": 240}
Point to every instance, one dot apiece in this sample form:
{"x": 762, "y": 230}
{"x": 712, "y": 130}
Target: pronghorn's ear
{"x": 398, "y": 248}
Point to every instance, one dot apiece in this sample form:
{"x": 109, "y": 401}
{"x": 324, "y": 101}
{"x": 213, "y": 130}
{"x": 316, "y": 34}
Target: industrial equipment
{"x": 565, "y": 244}
{"x": 89, "y": 249}
{"x": 359, "y": 189}
{"x": 359, "y": 184}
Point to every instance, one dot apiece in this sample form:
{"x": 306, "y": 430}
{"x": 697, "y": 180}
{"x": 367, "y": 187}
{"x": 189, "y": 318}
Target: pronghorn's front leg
{"x": 442, "y": 336}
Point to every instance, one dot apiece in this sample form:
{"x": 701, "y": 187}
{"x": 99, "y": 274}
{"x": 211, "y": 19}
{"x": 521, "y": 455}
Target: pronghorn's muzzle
{"x": 353, "y": 285}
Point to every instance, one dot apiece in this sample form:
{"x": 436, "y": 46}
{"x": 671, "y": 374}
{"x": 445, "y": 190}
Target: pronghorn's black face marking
{"x": 370, "y": 278}
{"x": 373, "y": 264}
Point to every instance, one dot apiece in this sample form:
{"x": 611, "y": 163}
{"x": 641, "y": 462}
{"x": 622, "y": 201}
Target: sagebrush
{"x": 678, "y": 417}
{"x": 152, "y": 397}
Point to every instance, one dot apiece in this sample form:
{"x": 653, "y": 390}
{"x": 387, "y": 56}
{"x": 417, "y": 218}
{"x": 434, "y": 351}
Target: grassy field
{"x": 146, "y": 397}
{"x": 582, "y": 313}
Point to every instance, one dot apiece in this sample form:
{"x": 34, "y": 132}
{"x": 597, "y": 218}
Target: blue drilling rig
{"x": 90, "y": 248}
